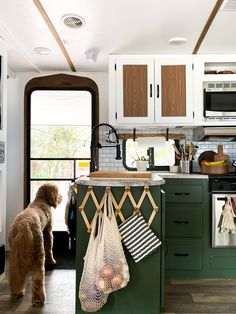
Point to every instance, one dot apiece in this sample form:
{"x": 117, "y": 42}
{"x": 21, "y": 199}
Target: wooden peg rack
{"x": 118, "y": 206}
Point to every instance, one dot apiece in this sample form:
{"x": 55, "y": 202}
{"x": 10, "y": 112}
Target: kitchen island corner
{"x": 145, "y": 290}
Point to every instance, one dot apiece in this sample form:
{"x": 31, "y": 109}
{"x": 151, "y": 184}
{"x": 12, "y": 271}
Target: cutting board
{"x": 120, "y": 174}
{"x": 220, "y": 154}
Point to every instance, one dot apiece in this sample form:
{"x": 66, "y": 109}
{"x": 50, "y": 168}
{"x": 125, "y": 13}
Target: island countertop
{"x": 154, "y": 180}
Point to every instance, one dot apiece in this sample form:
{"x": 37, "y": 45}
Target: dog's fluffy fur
{"x": 31, "y": 241}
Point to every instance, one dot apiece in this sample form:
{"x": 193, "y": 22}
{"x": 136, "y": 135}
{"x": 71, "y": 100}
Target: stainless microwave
{"x": 219, "y": 100}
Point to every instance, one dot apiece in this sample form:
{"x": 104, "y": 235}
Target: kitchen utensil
{"x": 207, "y": 155}
{"x": 220, "y": 154}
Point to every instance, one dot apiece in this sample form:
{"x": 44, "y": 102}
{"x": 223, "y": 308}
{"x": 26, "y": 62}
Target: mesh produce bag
{"x": 112, "y": 271}
{"x": 91, "y": 298}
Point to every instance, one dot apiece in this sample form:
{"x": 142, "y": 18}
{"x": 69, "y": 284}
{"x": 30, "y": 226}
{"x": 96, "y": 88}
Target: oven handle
{"x": 221, "y": 198}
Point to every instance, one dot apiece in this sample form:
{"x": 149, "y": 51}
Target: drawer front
{"x": 183, "y": 193}
{"x": 183, "y": 220}
{"x": 184, "y": 254}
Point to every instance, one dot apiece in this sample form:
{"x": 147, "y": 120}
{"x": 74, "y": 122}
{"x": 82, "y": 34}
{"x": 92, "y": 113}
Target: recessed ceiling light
{"x": 42, "y": 51}
{"x": 177, "y": 40}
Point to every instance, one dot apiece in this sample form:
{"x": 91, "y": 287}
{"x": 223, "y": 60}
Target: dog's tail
{"x": 20, "y": 258}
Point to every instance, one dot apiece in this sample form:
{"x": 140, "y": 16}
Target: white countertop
{"x": 172, "y": 175}
{"x": 158, "y": 178}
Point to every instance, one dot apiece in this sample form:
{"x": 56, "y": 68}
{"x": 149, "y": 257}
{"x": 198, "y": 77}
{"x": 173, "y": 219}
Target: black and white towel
{"x": 138, "y": 237}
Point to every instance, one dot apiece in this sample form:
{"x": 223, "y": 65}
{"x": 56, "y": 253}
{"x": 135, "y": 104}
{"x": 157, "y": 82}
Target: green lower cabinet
{"x": 187, "y": 201}
{"x": 144, "y": 293}
{"x": 188, "y": 233}
{"x": 184, "y": 221}
{"x": 221, "y": 262}
{"x": 184, "y": 255}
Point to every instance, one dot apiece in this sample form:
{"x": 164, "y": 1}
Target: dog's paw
{"x": 37, "y": 303}
{"x": 18, "y": 294}
{"x": 38, "y": 300}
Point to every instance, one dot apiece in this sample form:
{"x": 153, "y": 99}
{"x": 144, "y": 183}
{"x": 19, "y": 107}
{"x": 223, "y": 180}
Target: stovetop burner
{"x": 229, "y": 175}
{"x": 222, "y": 183}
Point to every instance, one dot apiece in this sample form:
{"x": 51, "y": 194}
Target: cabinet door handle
{"x": 181, "y": 254}
{"x": 181, "y": 222}
{"x": 150, "y": 90}
{"x": 181, "y": 193}
{"x": 157, "y": 90}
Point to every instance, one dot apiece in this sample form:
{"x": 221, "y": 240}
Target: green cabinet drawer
{"x": 184, "y": 220}
{"x": 181, "y": 193}
{"x": 184, "y": 255}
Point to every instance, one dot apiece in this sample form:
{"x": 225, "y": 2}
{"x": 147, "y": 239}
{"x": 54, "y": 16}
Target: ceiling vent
{"x": 72, "y": 21}
{"x": 229, "y": 5}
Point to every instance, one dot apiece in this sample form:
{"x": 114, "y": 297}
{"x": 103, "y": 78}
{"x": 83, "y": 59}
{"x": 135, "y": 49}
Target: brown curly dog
{"x": 31, "y": 241}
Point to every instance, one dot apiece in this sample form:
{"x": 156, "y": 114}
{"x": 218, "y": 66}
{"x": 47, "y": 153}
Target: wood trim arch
{"x": 53, "y": 82}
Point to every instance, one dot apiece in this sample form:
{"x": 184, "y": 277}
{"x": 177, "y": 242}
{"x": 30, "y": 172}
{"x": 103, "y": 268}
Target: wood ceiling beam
{"x": 54, "y": 33}
{"x": 207, "y": 25}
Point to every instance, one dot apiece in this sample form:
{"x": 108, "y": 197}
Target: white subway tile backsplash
{"x": 107, "y": 161}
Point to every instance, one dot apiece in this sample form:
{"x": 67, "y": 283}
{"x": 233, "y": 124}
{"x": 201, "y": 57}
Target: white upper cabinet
{"x": 150, "y": 90}
{"x": 133, "y": 90}
{"x": 174, "y": 90}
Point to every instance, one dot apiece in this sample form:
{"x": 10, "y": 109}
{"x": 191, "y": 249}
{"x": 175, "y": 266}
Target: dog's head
{"x": 49, "y": 193}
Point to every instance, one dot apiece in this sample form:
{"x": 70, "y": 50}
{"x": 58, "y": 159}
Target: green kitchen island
{"x": 145, "y": 291}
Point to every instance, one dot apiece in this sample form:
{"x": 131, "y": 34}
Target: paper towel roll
{"x": 151, "y": 141}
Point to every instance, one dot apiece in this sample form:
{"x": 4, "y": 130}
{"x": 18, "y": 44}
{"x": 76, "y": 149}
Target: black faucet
{"x": 96, "y": 145}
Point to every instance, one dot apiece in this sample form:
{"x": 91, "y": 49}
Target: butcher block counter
{"x": 142, "y": 192}
{"x": 103, "y": 178}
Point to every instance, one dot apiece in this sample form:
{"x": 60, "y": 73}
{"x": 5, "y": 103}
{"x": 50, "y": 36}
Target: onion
{"x": 117, "y": 266}
{"x": 101, "y": 284}
{"x": 116, "y": 281}
{"x": 106, "y": 271}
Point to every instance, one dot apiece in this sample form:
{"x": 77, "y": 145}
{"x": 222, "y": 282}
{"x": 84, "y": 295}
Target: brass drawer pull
{"x": 181, "y": 222}
{"x": 182, "y": 255}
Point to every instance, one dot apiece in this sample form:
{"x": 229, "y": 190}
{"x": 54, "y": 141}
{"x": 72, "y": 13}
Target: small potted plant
{"x": 141, "y": 163}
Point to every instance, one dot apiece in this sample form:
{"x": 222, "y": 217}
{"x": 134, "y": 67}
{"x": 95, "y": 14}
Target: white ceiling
{"x": 111, "y": 26}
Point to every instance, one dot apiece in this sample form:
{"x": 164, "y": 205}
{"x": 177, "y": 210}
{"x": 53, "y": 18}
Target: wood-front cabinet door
{"x": 174, "y": 95}
{"x": 134, "y": 90}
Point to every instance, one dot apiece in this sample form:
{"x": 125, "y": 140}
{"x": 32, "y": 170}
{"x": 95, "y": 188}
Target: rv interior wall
{"x": 15, "y": 106}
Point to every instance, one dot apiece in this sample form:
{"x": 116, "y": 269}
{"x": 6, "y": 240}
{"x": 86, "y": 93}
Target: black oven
{"x": 221, "y": 187}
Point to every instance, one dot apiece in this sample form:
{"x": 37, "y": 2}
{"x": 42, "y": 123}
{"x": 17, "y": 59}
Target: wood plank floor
{"x": 181, "y": 296}
{"x": 60, "y": 295}
{"x": 200, "y": 296}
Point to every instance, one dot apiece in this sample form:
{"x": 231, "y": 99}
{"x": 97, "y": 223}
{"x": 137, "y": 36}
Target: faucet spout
{"x": 95, "y": 145}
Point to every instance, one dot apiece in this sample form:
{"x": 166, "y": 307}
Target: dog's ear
{"x": 49, "y": 193}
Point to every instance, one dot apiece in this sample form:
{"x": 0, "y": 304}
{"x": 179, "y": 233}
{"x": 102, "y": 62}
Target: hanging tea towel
{"x": 138, "y": 237}
{"x": 226, "y": 222}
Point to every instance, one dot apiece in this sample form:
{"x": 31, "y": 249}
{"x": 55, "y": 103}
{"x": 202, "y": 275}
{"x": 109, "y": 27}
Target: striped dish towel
{"x": 138, "y": 237}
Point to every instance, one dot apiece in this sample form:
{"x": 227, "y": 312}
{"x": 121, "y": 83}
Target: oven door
{"x": 220, "y": 239}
